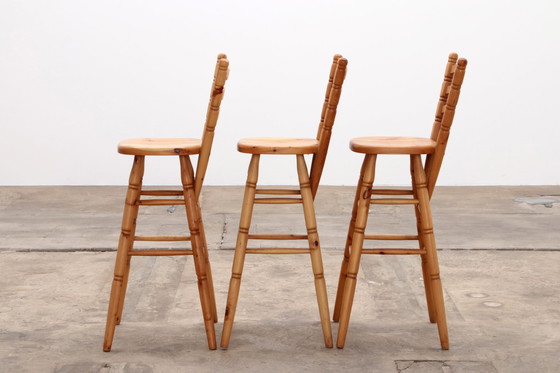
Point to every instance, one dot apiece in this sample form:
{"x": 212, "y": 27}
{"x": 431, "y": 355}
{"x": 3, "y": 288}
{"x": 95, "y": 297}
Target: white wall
{"x": 78, "y": 76}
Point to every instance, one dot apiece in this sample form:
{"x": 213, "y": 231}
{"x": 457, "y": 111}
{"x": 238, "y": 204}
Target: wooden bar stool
{"x": 305, "y": 195}
{"x": 424, "y": 178}
{"x": 192, "y": 184}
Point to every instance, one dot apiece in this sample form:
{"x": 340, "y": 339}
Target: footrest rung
{"x": 277, "y": 201}
{"x": 392, "y": 192}
{"x": 278, "y": 251}
{"x": 162, "y": 252}
{"x": 161, "y": 202}
{"x": 277, "y": 237}
{"x": 394, "y": 201}
{"x": 161, "y": 192}
{"x": 390, "y": 237}
{"x": 162, "y": 238}
{"x": 282, "y": 192}
{"x": 394, "y": 251}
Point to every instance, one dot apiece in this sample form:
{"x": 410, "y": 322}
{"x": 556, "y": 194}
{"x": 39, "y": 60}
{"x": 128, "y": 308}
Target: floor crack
{"x": 224, "y": 231}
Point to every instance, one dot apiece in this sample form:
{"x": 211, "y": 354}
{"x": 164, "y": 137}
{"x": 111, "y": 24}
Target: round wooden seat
{"x": 278, "y": 145}
{"x": 392, "y": 145}
{"x": 160, "y": 146}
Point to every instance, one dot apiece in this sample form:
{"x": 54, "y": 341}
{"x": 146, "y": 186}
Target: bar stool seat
{"x": 278, "y": 145}
{"x": 160, "y": 146}
{"x": 392, "y": 145}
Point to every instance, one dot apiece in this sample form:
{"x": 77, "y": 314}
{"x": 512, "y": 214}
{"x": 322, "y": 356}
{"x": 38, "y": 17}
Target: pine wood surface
{"x": 392, "y": 145}
{"x": 278, "y": 145}
{"x": 160, "y": 146}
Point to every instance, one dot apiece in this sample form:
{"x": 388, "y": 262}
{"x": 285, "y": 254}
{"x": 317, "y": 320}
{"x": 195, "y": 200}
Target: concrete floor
{"x": 500, "y": 265}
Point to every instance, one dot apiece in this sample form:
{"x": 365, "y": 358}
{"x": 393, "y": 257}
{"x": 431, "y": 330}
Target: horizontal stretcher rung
{"x": 161, "y": 202}
{"x": 162, "y": 238}
{"x": 277, "y": 236}
{"x": 277, "y": 201}
{"x": 282, "y": 192}
{"x": 159, "y": 252}
{"x": 394, "y": 201}
{"x": 394, "y": 251}
{"x": 278, "y": 251}
{"x": 390, "y": 237}
{"x": 161, "y": 192}
{"x": 392, "y": 192}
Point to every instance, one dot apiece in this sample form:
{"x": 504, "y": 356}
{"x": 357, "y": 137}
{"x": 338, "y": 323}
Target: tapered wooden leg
{"x": 208, "y": 268}
{"x": 315, "y": 249}
{"x": 126, "y": 239}
{"x": 356, "y": 249}
{"x": 124, "y": 285}
{"x": 193, "y": 218}
{"x": 424, "y": 258}
{"x": 429, "y": 241}
{"x": 342, "y": 277}
{"x": 240, "y": 247}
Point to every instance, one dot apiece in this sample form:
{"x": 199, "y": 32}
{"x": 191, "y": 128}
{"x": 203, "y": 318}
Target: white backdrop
{"x": 76, "y": 77}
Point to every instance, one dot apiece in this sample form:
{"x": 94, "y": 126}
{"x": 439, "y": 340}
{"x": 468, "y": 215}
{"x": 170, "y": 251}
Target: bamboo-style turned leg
{"x": 125, "y": 242}
{"x": 208, "y": 268}
{"x": 423, "y": 257}
{"x": 240, "y": 247}
{"x": 356, "y": 250}
{"x": 315, "y": 249}
{"x": 199, "y": 259}
{"x": 342, "y": 277}
{"x": 125, "y": 280}
{"x": 429, "y": 242}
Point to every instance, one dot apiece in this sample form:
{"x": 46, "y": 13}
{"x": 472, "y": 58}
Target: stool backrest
{"x": 449, "y": 96}
{"x": 221, "y": 73}
{"x": 332, "y": 96}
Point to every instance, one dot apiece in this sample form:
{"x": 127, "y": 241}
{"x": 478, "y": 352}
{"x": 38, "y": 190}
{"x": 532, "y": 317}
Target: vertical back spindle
{"x": 327, "y": 95}
{"x": 326, "y": 124}
{"x": 216, "y": 94}
{"x": 444, "y": 92}
{"x": 433, "y": 163}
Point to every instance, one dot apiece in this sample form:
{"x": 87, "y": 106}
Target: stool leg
{"x": 342, "y": 278}
{"x": 429, "y": 241}
{"x": 126, "y": 240}
{"x": 208, "y": 268}
{"x": 424, "y": 258}
{"x": 315, "y": 249}
{"x": 241, "y": 245}
{"x": 356, "y": 250}
{"x": 125, "y": 280}
{"x": 187, "y": 179}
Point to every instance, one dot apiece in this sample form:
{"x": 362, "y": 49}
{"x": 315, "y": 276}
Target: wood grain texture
{"x": 392, "y": 145}
{"x": 278, "y": 145}
{"x": 160, "y": 146}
